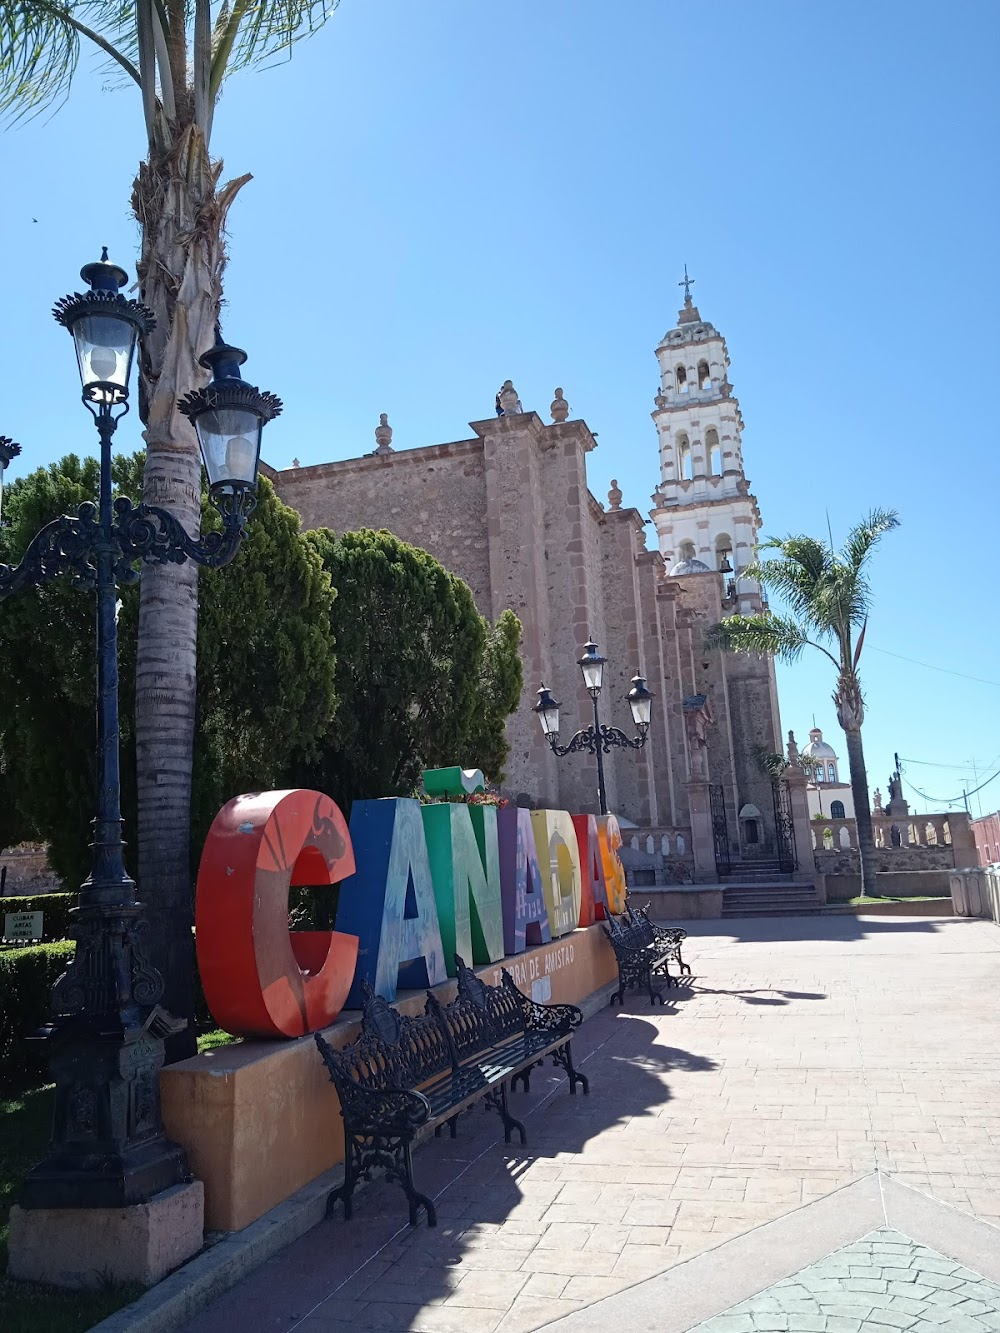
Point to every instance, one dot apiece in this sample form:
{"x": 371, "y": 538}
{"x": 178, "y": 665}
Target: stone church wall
{"x": 511, "y": 513}
{"x": 434, "y": 498}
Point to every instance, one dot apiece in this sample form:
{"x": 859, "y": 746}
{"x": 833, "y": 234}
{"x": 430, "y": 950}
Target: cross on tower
{"x": 686, "y": 283}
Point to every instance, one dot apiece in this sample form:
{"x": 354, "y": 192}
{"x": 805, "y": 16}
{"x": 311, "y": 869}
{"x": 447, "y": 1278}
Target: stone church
{"x": 511, "y": 510}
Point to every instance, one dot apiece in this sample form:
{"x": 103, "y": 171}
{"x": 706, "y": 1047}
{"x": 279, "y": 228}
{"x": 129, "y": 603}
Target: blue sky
{"x": 449, "y": 194}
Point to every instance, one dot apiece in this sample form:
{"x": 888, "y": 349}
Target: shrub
{"x": 53, "y": 906}
{"x": 26, "y": 980}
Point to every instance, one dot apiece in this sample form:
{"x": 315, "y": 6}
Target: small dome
{"x": 817, "y": 747}
{"x": 690, "y": 566}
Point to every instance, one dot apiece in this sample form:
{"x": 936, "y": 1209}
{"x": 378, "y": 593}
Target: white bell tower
{"x": 705, "y": 516}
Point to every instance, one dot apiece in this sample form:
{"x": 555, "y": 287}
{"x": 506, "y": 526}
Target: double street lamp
{"x": 597, "y": 739}
{"x": 106, "y": 1045}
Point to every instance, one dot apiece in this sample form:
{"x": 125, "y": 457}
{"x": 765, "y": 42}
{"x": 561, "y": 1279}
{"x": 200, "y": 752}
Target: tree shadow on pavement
{"x": 378, "y": 1272}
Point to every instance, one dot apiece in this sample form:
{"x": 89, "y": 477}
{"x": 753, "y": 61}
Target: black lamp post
{"x": 105, "y": 1047}
{"x": 597, "y": 739}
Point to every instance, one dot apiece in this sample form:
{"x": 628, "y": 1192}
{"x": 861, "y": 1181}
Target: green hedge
{"x": 26, "y": 979}
{"x": 53, "y": 906}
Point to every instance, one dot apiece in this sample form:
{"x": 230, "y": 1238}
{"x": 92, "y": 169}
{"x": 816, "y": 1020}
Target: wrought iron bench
{"x": 643, "y": 951}
{"x": 403, "y": 1074}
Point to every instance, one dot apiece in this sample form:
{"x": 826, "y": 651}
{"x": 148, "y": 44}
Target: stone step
{"x": 782, "y": 895}
{"x": 736, "y": 913}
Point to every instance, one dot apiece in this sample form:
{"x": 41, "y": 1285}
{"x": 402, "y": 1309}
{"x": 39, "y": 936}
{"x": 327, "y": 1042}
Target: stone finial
{"x": 878, "y": 801}
{"x": 383, "y": 435}
{"x": 660, "y": 400}
{"x": 793, "y": 749}
{"x": 508, "y": 403}
{"x": 559, "y": 408}
{"x": 296, "y": 463}
{"x": 615, "y": 495}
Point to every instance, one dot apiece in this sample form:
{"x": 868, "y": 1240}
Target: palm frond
{"x": 256, "y": 30}
{"x": 865, "y": 535}
{"x": 38, "y": 57}
{"x": 798, "y": 573}
{"x": 40, "y": 48}
{"x": 768, "y": 634}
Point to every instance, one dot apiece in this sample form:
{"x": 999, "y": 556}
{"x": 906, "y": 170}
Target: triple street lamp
{"x": 597, "y": 739}
{"x": 106, "y": 1045}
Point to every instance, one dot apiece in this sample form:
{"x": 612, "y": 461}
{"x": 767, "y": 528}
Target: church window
{"x": 714, "y": 450}
{"x": 704, "y": 375}
{"x": 681, "y": 374}
{"x": 684, "y": 457}
{"x": 831, "y": 773}
{"x": 837, "y": 810}
{"x": 723, "y": 551}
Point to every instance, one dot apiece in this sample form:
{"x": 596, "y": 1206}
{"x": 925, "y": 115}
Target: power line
{"x": 947, "y": 671}
{"x": 952, "y": 800}
{"x": 969, "y": 763}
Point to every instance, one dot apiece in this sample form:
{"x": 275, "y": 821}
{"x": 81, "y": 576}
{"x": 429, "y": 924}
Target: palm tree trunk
{"x": 862, "y": 810}
{"x": 182, "y": 215}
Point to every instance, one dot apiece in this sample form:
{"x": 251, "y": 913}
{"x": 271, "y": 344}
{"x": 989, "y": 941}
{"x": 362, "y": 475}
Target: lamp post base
{"x": 108, "y": 1148}
{"x": 76, "y": 1249}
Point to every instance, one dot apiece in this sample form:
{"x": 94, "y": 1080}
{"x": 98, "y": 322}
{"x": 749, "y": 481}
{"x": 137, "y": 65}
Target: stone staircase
{"x": 779, "y": 896}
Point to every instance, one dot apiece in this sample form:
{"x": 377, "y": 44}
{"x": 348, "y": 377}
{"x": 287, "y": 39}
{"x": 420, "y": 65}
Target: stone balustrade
{"x": 950, "y": 834}
{"x": 976, "y": 892}
{"x": 657, "y": 856}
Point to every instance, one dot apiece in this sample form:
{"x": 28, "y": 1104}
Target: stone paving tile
{"x": 901, "y": 1291}
{"x": 706, "y": 1119}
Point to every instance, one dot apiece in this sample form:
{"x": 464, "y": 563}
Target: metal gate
{"x": 784, "y": 828}
{"x": 720, "y": 831}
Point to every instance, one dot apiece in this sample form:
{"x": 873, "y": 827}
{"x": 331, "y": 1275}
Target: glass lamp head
{"x": 547, "y": 709}
{"x": 106, "y": 327}
{"x": 640, "y": 700}
{"x": 229, "y": 416}
{"x": 592, "y": 666}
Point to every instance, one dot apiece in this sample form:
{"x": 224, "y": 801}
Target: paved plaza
{"x": 805, "y": 1139}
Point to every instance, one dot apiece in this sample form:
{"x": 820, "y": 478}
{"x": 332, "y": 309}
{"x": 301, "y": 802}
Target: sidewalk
{"x": 807, "y": 1054}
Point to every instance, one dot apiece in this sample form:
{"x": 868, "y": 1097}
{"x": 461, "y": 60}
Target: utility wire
{"x": 953, "y": 800}
{"x": 947, "y": 671}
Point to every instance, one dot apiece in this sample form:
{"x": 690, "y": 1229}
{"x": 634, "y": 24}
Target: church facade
{"x": 511, "y": 511}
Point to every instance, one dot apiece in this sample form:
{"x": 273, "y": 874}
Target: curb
{"x": 188, "y": 1290}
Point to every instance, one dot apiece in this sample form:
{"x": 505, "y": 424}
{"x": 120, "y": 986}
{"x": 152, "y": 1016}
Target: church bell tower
{"x": 705, "y": 515}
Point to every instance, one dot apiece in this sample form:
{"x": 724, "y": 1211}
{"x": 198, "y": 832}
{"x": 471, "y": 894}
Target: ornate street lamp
{"x": 597, "y": 739}
{"x": 105, "y": 1047}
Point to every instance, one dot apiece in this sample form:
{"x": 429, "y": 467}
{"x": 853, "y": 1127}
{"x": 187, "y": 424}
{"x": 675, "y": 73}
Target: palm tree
{"x": 178, "y": 54}
{"x": 829, "y": 599}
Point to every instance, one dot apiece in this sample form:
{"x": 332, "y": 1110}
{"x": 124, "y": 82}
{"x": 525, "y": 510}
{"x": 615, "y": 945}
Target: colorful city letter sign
{"x": 593, "y": 892}
{"x": 418, "y": 884}
{"x": 525, "y": 915}
{"x": 389, "y": 902}
{"x": 259, "y": 979}
{"x": 555, "y": 838}
{"x": 466, "y": 877}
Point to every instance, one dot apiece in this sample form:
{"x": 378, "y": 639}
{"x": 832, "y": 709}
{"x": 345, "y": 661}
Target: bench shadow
{"x": 691, "y": 988}
{"x": 378, "y": 1272}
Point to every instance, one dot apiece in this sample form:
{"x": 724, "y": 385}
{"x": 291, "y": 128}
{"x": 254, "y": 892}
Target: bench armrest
{"x": 368, "y": 1110}
{"x": 554, "y": 1018}
{"x": 385, "y": 1111}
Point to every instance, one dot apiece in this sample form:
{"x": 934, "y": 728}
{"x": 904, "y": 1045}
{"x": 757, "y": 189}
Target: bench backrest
{"x": 398, "y": 1051}
{"x": 630, "y": 931}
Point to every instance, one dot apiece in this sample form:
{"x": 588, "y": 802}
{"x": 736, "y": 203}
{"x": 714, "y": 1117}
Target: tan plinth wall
{"x": 260, "y": 1119}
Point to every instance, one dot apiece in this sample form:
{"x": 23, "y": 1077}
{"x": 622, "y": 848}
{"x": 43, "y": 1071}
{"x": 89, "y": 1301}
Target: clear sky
{"x": 452, "y": 193}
